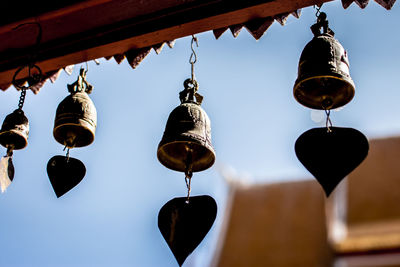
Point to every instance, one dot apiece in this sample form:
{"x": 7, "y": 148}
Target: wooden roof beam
{"x": 97, "y": 28}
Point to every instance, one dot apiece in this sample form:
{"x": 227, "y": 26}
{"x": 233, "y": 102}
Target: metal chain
{"x": 328, "y": 123}
{"x": 22, "y": 98}
{"x": 193, "y": 56}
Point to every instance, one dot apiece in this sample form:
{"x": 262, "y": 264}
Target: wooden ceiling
{"x": 78, "y": 31}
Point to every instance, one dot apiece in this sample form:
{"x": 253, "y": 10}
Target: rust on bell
{"x": 324, "y": 80}
{"x": 187, "y": 136}
{"x": 76, "y": 116}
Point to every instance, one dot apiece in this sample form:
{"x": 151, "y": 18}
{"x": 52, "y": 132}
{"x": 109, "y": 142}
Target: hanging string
{"x": 67, "y": 154}
{"x": 10, "y": 150}
{"x": 193, "y": 56}
{"x": 188, "y": 171}
{"x": 188, "y": 180}
{"x": 328, "y": 120}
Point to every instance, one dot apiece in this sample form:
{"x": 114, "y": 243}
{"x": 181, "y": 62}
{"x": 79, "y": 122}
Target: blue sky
{"x": 110, "y": 218}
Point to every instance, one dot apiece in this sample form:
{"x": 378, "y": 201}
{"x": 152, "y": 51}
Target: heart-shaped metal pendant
{"x": 65, "y": 173}
{"x": 185, "y": 224}
{"x": 331, "y": 155}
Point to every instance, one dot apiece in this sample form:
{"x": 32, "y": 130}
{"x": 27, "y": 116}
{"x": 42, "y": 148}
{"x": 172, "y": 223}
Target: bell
{"x": 187, "y": 136}
{"x": 324, "y": 80}
{"x": 15, "y": 130}
{"x": 76, "y": 116}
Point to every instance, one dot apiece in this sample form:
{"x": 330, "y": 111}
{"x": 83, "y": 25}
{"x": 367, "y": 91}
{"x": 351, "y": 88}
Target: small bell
{"x": 76, "y": 116}
{"x": 324, "y": 80}
{"x": 15, "y": 130}
{"x": 187, "y": 135}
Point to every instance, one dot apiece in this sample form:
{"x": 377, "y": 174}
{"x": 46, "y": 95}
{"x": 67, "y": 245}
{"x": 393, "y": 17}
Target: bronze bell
{"x": 324, "y": 80}
{"x": 186, "y": 143}
{"x": 15, "y": 130}
{"x": 76, "y": 116}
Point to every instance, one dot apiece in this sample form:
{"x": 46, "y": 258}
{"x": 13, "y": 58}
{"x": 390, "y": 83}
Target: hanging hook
{"x": 193, "y": 56}
{"x": 318, "y": 8}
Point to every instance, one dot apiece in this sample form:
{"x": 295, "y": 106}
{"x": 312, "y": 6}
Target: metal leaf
{"x": 331, "y": 156}
{"x": 185, "y": 224}
{"x": 6, "y": 173}
{"x": 65, "y": 173}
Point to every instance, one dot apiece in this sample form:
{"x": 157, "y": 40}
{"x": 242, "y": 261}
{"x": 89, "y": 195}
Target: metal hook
{"x": 194, "y": 39}
{"x": 193, "y": 56}
{"x": 318, "y": 8}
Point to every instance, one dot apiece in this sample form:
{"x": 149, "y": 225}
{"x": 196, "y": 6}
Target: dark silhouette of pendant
{"x": 10, "y": 169}
{"x": 331, "y": 156}
{"x": 185, "y": 224}
{"x": 65, "y": 173}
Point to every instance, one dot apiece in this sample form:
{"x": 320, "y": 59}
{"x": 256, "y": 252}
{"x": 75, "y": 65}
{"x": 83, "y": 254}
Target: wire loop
{"x": 193, "y": 56}
{"x": 328, "y": 122}
{"x": 318, "y": 12}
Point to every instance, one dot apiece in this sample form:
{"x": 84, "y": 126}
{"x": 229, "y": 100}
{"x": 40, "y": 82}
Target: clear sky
{"x": 110, "y": 218}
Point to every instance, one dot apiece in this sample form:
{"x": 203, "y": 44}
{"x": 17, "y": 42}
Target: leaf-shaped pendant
{"x": 65, "y": 173}
{"x": 331, "y": 156}
{"x": 185, "y": 224}
{"x": 6, "y": 172}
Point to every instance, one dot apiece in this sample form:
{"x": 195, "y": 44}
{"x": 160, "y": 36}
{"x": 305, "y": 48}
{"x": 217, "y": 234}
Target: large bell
{"x": 324, "y": 80}
{"x": 15, "y": 130}
{"x": 76, "y": 116}
{"x": 187, "y": 136}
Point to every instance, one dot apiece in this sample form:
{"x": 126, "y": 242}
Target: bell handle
{"x": 322, "y": 23}
{"x": 80, "y": 85}
{"x": 189, "y": 94}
